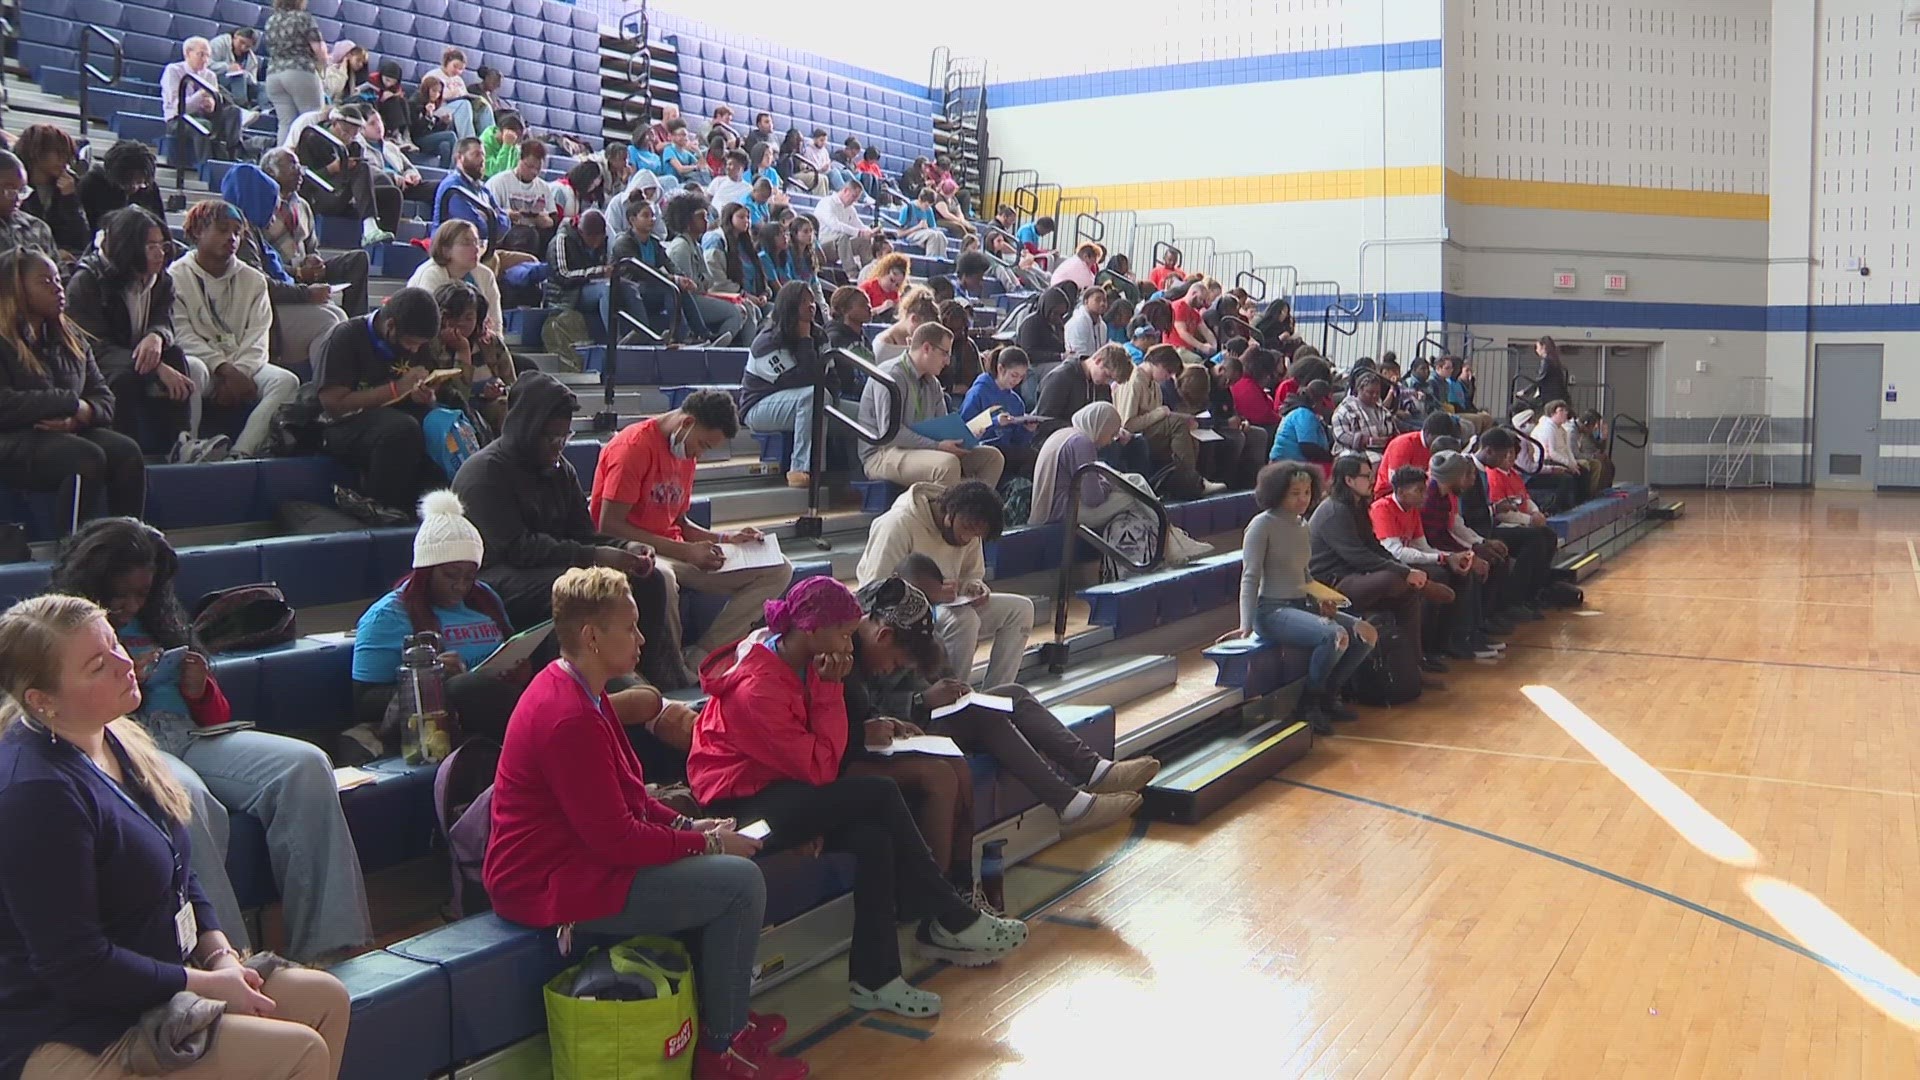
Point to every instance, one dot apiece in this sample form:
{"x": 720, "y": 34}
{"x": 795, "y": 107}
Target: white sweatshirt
{"x": 222, "y": 320}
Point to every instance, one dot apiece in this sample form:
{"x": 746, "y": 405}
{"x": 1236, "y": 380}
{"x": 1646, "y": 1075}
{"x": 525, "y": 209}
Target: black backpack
{"x": 243, "y": 618}
{"x": 1178, "y": 482}
{"x": 1391, "y": 674}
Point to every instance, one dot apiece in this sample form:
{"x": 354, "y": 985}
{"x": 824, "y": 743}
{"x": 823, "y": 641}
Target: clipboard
{"x": 1323, "y": 592}
{"x": 434, "y": 378}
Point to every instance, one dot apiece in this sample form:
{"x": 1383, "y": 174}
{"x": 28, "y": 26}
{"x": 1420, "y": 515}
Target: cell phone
{"x": 227, "y": 728}
{"x": 757, "y": 831}
{"x": 166, "y": 666}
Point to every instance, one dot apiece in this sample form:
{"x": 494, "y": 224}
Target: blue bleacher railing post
{"x": 1054, "y": 653}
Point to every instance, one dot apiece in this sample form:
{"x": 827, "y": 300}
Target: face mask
{"x": 677, "y": 445}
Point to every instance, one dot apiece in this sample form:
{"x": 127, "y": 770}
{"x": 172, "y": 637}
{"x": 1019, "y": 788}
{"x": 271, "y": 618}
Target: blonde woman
{"x": 103, "y": 920}
{"x": 917, "y": 308}
{"x": 455, "y": 256}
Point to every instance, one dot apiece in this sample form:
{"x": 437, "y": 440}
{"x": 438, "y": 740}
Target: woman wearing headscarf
{"x": 1094, "y": 427}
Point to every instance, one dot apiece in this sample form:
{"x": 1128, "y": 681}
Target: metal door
{"x": 1846, "y": 416}
{"x": 1626, "y": 371}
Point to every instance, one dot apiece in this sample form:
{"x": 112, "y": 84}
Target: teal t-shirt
{"x": 386, "y": 626}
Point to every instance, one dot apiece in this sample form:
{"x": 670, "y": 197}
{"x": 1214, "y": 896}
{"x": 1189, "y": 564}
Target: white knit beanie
{"x": 445, "y": 536}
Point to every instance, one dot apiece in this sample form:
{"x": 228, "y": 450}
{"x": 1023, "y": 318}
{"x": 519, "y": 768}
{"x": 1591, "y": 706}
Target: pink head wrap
{"x": 812, "y": 604}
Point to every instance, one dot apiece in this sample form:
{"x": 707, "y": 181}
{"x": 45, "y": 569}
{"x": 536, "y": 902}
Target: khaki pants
{"x": 747, "y": 591}
{"x": 1171, "y": 439}
{"x": 908, "y": 467}
{"x": 851, "y": 252}
{"x": 302, "y": 1042}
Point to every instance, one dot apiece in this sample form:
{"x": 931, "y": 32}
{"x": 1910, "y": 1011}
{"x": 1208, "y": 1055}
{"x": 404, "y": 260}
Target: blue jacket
{"x": 985, "y": 393}
{"x": 1300, "y": 429}
{"x": 447, "y": 206}
{"x": 256, "y": 195}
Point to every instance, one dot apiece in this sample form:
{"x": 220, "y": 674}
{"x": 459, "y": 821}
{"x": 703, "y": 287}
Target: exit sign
{"x": 1565, "y": 279}
{"x": 1616, "y": 283}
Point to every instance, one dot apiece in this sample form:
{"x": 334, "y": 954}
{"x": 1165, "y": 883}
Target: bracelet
{"x": 682, "y": 822}
{"x": 206, "y": 962}
{"x": 713, "y": 844}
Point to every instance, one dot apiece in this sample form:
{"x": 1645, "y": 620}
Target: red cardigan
{"x": 572, "y": 819}
{"x": 763, "y": 725}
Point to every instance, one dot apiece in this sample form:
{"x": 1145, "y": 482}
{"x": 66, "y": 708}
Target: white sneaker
{"x": 217, "y": 448}
{"x": 183, "y": 448}
{"x": 1211, "y": 487}
{"x": 374, "y": 234}
{"x": 248, "y": 116}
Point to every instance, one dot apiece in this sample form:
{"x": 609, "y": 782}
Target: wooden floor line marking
{"x": 1620, "y": 879}
{"x": 1560, "y": 760}
{"x": 1852, "y": 669}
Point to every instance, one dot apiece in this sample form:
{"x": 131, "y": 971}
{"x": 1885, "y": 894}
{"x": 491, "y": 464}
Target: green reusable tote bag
{"x": 627, "y": 1040}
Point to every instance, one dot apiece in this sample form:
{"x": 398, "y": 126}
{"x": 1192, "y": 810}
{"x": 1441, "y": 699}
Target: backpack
{"x": 1391, "y": 673}
{"x": 243, "y": 619}
{"x": 463, "y": 805}
{"x": 450, "y": 439}
{"x": 1177, "y": 483}
{"x": 298, "y": 427}
{"x": 1133, "y": 533}
{"x": 1017, "y": 493}
{"x": 558, "y": 334}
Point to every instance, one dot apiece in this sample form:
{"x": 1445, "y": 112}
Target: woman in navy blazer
{"x": 101, "y": 917}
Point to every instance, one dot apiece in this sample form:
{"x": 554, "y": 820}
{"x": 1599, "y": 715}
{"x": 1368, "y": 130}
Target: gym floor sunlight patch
{"x": 1693, "y": 822}
{"x": 1873, "y": 973}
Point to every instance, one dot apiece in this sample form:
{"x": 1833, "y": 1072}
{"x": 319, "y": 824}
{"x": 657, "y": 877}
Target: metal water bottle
{"x": 426, "y": 738}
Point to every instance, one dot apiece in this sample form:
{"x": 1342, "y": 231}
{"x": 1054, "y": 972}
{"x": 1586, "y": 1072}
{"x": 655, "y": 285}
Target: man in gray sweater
{"x": 912, "y": 458}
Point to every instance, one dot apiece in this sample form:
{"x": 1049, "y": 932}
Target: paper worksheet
{"x": 751, "y": 555}
{"x": 985, "y": 701}
{"x": 934, "y": 745}
{"x": 512, "y": 651}
{"x": 1207, "y": 435}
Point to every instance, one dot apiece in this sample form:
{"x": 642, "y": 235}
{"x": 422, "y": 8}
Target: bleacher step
{"x": 1114, "y": 680}
{"x": 1219, "y": 762}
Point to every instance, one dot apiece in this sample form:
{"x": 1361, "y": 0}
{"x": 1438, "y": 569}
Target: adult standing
{"x": 296, "y": 55}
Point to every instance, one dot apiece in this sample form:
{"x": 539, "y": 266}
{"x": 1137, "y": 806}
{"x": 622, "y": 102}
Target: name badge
{"x": 186, "y": 929}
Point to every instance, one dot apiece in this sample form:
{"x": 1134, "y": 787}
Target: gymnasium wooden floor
{"x": 1674, "y": 836}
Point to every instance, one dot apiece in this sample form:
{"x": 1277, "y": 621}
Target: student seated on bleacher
{"x": 1043, "y": 332}
{"x": 468, "y": 111}
{"x": 486, "y": 367}
{"x": 386, "y": 155}
{"x": 531, "y": 509}
{"x": 1449, "y": 476}
{"x": 1361, "y": 424}
{"x": 1401, "y": 527}
{"x": 674, "y": 314}
{"x": 769, "y": 745}
{"x": 1348, "y": 556}
{"x": 642, "y": 489}
{"x": 1303, "y": 434}
{"x": 916, "y": 309}
{"x": 1561, "y": 470}
{"x": 578, "y": 842}
{"x": 184, "y": 91}
{"x": 441, "y": 595}
{"x": 732, "y": 186}
{"x": 1031, "y": 237}
{"x": 123, "y": 301}
{"x": 347, "y": 67}
{"x": 951, "y": 524}
{"x": 774, "y": 240}
{"x": 20, "y": 230}
{"x": 882, "y": 283}
{"x": 128, "y": 568}
{"x": 371, "y": 373}
{"x": 291, "y": 233}
{"x": 1142, "y": 337}
{"x": 1252, "y": 392}
{"x": 302, "y": 314}
{"x": 683, "y": 163}
{"x": 581, "y": 277}
{"x": 501, "y": 143}
{"x": 1071, "y": 386}
{"x": 48, "y": 153}
{"x": 919, "y": 225}
{"x": 431, "y": 132}
{"x": 583, "y": 188}
{"x": 526, "y": 198}
{"x": 724, "y": 313}
{"x": 964, "y": 366}
{"x": 970, "y": 273}
{"x": 1413, "y": 449}
{"x": 56, "y": 412}
{"x": 104, "y": 919}
{"x": 1081, "y": 269}
{"x": 847, "y": 316}
{"x": 463, "y": 195}
{"x": 910, "y": 457}
{"x": 386, "y": 90}
{"x": 1094, "y": 427}
{"x": 784, "y": 365}
{"x": 1189, "y": 333}
{"x": 1086, "y": 330}
{"x": 643, "y": 187}
{"x": 1241, "y": 451}
{"x": 1141, "y": 402}
{"x": 454, "y": 255}
{"x": 999, "y": 386}
{"x": 845, "y": 237}
{"x": 330, "y": 152}
{"x": 237, "y": 60}
{"x": 1496, "y": 505}
{"x": 947, "y": 209}
{"x": 223, "y": 316}
{"x": 123, "y": 175}
{"x": 1275, "y": 605}
{"x": 1167, "y": 272}
{"x": 733, "y": 262}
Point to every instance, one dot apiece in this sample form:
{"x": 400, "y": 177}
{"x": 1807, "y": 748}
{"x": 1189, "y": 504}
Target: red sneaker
{"x": 761, "y": 1032}
{"x": 737, "y": 1065}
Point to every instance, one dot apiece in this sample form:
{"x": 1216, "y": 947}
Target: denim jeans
{"x": 440, "y": 145}
{"x": 791, "y": 410}
{"x": 1331, "y": 665}
{"x": 717, "y": 900}
{"x": 470, "y": 116}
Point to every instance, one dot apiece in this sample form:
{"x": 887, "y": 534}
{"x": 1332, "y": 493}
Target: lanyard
{"x": 587, "y": 690}
{"x": 126, "y": 797}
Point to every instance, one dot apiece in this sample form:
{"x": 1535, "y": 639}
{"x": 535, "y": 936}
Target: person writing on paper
{"x": 998, "y": 387}
{"x": 103, "y": 918}
{"x": 578, "y": 842}
{"x": 286, "y": 784}
{"x": 441, "y": 595}
{"x": 1088, "y": 791}
{"x": 769, "y": 745}
{"x": 950, "y": 525}
{"x": 642, "y": 489}
{"x": 1281, "y": 603}
{"x": 911, "y": 457}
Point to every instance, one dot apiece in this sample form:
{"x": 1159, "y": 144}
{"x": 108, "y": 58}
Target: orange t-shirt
{"x": 638, "y": 467}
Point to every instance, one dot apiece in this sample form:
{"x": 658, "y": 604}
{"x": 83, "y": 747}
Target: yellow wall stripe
{"x": 1420, "y": 180}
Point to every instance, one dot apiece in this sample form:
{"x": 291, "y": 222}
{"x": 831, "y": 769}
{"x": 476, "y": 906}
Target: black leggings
{"x": 894, "y": 878}
{"x": 107, "y": 464}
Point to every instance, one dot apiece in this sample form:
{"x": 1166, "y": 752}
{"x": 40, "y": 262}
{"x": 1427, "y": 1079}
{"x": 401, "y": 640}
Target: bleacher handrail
{"x": 90, "y": 73}
{"x": 1633, "y": 424}
{"x": 1055, "y": 652}
{"x": 194, "y": 122}
{"x": 1257, "y": 291}
{"x": 810, "y": 525}
{"x": 1088, "y": 228}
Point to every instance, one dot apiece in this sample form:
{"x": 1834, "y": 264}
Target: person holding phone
{"x": 578, "y": 843}
{"x": 128, "y": 568}
{"x": 1498, "y": 505}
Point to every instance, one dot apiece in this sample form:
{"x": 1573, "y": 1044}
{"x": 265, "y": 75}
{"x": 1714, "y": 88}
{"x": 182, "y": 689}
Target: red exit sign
{"x": 1565, "y": 279}
{"x": 1616, "y": 283}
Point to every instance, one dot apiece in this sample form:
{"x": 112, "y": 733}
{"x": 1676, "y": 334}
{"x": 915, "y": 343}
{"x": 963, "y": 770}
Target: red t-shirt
{"x": 1505, "y": 484}
{"x": 1405, "y": 449}
{"x": 878, "y": 295}
{"x": 639, "y": 467}
{"x": 1392, "y": 519}
{"x": 1184, "y": 315}
{"x": 1162, "y": 274}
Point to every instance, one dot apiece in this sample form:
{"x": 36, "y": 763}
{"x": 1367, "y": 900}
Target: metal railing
{"x": 1054, "y": 653}
{"x": 89, "y": 74}
{"x": 1627, "y": 429}
{"x": 1089, "y": 229}
{"x": 613, "y": 315}
{"x": 7, "y": 34}
{"x": 810, "y": 525}
{"x": 1255, "y": 285}
{"x": 186, "y": 155}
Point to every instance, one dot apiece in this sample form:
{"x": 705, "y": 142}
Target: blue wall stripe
{"x": 666, "y": 24}
{"x": 1200, "y": 74}
{"x": 1629, "y": 314}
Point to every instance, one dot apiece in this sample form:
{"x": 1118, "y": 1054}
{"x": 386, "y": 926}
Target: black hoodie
{"x": 96, "y": 299}
{"x": 530, "y": 513}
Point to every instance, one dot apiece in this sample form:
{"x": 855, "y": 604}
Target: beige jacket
{"x": 909, "y": 526}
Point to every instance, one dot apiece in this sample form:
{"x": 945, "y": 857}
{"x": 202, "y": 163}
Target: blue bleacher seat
{"x": 495, "y": 972}
{"x": 317, "y": 570}
{"x": 498, "y": 19}
{"x": 401, "y": 1027}
{"x": 432, "y": 9}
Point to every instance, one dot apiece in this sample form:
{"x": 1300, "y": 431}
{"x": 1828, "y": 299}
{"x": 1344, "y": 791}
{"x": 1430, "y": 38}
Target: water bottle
{"x": 426, "y": 738}
{"x": 993, "y": 873}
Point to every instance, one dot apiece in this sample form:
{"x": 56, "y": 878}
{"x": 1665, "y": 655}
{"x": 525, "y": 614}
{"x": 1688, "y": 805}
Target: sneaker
{"x": 1129, "y": 775}
{"x": 1102, "y": 811}
{"x": 761, "y": 1032}
{"x": 206, "y": 451}
{"x": 183, "y": 449}
{"x": 248, "y": 116}
{"x": 374, "y": 234}
{"x": 1211, "y": 487}
{"x": 987, "y": 940}
{"x": 1433, "y": 665}
{"x": 797, "y": 479}
{"x": 1309, "y": 710}
{"x": 1336, "y": 709}
{"x": 737, "y": 1064}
